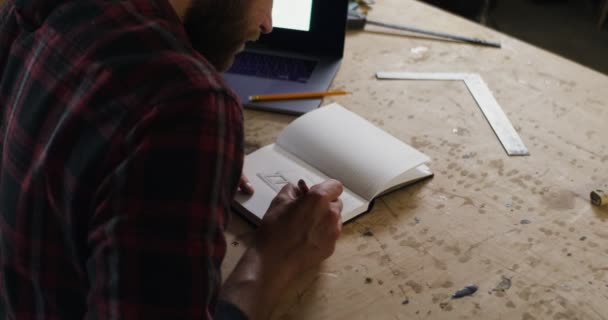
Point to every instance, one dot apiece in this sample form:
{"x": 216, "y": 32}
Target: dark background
{"x": 566, "y": 27}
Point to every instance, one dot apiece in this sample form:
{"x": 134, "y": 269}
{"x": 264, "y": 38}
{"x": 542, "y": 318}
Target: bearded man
{"x": 121, "y": 148}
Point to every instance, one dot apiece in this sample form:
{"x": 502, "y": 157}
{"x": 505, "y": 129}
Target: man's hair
{"x": 217, "y": 27}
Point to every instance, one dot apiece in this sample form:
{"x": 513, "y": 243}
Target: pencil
{"x": 295, "y": 95}
{"x": 302, "y": 186}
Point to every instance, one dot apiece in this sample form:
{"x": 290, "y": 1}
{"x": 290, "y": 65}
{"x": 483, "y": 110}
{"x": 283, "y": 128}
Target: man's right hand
{"x": 301, "y": 226}
{"x": 299, "y": 231}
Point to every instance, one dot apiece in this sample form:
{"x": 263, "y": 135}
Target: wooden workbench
{"x": 485, "y": 217}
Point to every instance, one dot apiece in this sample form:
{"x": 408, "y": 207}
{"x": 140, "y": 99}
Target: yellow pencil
{"x": 296, "y": 95}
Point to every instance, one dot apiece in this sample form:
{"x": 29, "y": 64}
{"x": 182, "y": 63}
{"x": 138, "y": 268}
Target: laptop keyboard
{"x": 273, "y": 67}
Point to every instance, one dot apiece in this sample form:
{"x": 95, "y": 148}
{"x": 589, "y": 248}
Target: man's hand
{"x": 299, "y": 231}
{"x": 301, "y": 226}
{"x": 244, "y": 185}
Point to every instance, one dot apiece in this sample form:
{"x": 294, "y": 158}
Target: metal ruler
{"x": 509, "y": 138}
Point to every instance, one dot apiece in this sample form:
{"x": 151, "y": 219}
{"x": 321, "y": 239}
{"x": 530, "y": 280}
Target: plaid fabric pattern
{"x": 121, "y": 149}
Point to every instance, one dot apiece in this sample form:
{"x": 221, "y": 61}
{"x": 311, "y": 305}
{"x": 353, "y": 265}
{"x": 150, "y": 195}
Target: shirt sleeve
{"x": 156, "y": 240}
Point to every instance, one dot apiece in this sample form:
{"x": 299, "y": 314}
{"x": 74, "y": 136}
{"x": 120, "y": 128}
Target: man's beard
{"x": 219, "y": 28}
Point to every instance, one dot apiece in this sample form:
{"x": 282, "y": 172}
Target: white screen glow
{"x": 292, "y": 14}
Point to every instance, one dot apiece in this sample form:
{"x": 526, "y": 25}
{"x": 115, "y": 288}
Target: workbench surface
{"x": 520, "y": 228}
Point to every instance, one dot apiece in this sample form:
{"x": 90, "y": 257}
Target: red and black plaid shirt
{"x": 121, "y": 149}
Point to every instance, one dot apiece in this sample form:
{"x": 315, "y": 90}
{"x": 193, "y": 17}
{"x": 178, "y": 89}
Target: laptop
{"x": 302, "y": 54}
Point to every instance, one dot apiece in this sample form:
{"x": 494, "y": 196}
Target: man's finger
{"x": 332, "y": 189}
{"x": 245, "y": 186}
{"x": 289, "y": 190}
{"x": 337, "y": 205}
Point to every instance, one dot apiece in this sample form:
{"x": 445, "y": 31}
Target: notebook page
{"x": 269, "y": 168}
{"x": 347, "y": 147}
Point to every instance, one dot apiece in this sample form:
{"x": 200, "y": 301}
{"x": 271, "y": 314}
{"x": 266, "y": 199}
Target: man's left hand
{"x": 245, "y": 186}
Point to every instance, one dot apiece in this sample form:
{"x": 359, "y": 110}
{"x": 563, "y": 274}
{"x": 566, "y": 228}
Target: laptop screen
{"x": 306, "y": 26}
{"x": 292, "y": 14}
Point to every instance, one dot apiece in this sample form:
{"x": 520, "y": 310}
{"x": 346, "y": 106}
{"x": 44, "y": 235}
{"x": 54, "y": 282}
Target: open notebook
{"x": 331, "y": 142}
